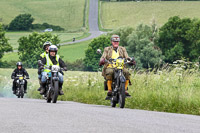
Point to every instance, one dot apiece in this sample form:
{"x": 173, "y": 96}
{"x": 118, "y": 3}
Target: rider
{"x": 114, "y": 52}
{"x": 52, "y": 59}
{"x": 19, "y": 71}
{"x": 43, "y": 55}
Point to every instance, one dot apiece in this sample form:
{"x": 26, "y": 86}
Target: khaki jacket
{"x": 107, "y": 54}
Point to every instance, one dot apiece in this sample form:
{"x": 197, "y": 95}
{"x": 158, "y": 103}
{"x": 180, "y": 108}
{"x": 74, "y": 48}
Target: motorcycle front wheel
{"x": 55, "y": 92}
{"x": 122, "y": 95}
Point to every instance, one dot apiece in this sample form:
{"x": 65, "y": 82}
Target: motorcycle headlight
{"x": 55, "y": 68}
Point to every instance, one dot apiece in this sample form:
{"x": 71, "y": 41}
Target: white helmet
{"x": 53, "y": 48}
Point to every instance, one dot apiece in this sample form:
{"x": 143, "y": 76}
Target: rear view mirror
{"x": 99, "y": 51}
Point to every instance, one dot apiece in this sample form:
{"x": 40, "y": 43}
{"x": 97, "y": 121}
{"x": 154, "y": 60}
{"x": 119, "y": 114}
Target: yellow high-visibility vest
{"x": 49, "y": 62}
{"x": 115, "y": 55}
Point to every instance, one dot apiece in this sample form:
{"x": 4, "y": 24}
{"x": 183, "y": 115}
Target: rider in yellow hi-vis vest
{"x": 43, "y": 55}
{"x": 114, "y": 52}
{"x": 52, "y": 59}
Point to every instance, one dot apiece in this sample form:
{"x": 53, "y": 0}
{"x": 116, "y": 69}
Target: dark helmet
{"x": 45, "y": 44}
{"x": 19, "y": 64}
{"x": 53, "y": 48}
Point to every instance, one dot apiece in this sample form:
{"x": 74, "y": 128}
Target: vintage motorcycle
{"x": 52, "y": 84}
{"x": 20, "y": 82}
{"x": 118, "y": 84}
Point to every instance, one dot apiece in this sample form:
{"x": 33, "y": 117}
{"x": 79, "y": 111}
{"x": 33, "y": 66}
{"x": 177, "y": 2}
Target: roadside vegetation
{"x": 174, "y": 91}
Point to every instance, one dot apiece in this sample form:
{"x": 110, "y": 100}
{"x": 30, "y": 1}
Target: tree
{"x": 22, "y": 22}
{"x": 123, "y": 33}
{"x": 176, "y": 38}
{"x": 141, "y": 45}
{"x": 91, "y": 59}
{"x": 4, "y": 45}
{"x": 30, "y": 47}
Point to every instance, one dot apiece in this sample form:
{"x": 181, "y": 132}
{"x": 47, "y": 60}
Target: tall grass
{"x": 162, "y": 91}
{"x": 115, "y": 14}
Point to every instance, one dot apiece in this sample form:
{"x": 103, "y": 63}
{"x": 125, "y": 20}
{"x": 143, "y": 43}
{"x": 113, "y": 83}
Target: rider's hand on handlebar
{"x": 65, "y": 68}
{"x": 27, "y": 78}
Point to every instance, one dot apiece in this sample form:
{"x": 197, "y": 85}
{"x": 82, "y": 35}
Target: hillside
{"x": 68, "y": 14}
{"x": 115, "y": 14}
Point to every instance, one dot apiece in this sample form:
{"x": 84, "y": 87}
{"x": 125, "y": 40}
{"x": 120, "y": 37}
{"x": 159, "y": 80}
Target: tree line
{"x": 179, "y": 38}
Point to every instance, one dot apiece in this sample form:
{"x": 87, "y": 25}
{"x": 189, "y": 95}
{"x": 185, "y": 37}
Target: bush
{"x": 30, "y": 47}
{"x": 180, "y": 38}
{"x": 78, "y": 65}
{"x": 4, "y": 45}
{"x": 45, "y": 26}
{"x": 141, "y": 45}
{"x": 22, "y": 22}
{"x": 91, "y": 60}
{"x": 123, "y": 33}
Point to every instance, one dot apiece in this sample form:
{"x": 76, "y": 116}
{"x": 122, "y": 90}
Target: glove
{"x": 132, "y": 61}
{"x": 27, "y": 78}
{"x": 13, "y": 77}
{"x": 65, "y": 68}
{"x": 41, "y": 67}
{"x": 102, "y": 62}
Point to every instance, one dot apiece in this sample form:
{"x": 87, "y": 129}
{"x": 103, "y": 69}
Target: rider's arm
{"x": 13, "y": 74}
{"x": 125, "y": 53}
{"x": 62, "y": 63}
{"x": 104, "y": 54}
{"x": 26, "y": 73}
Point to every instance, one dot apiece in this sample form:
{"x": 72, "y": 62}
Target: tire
{"x": 113, "y": 103}
{"x": 55, "y": 92}
{"x": 22, "y": 91}
{"x": 122, "y": 95}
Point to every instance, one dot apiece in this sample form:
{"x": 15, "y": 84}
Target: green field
{"x": 164, "y": 91}
{"x": 63, "y": 36}
{"x": 73, "y": 52}
{"x": 70, "y": 52}
{"x": 68, "y": 14}
{"x": 117, "y": 14}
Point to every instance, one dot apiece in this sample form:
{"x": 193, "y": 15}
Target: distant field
{"x": 63, "y": 36}
{"x": 65, "y": 13}
{"x": 115, "y": 14}
{"x": 73, "y": 52}
{"x": 70, "y": 52}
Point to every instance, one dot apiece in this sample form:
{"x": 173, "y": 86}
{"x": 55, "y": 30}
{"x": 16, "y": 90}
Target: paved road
{"x": 31, "y": 116}
{"x": 93, "y": 23}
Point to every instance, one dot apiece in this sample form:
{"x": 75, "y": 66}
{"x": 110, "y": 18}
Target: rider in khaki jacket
{"x": 114, "y": 52}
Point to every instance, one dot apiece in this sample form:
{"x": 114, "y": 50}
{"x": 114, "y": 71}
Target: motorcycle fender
{"x": 122, "y": 79}
{"x": 55, "y": 78}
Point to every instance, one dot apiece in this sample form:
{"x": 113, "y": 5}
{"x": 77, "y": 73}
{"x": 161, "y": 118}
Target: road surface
{"x": 93, "y": 23}
{"x": 37, "y": 116}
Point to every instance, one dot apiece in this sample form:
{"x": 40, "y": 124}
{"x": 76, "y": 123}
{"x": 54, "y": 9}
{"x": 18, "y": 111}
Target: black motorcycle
{"x": 118, "y": 84}
{"x": 20, "y": 82}
{"x": 52, "y": 84}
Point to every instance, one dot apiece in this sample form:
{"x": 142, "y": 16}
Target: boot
{"x": 109, "y": 84}
{"x": 126, "y": 88}
{"x": 14, "y": 90}
{"x": 40, "y": 85}
{"x": 60, "y": 89}
{"x": 42, "y": 91}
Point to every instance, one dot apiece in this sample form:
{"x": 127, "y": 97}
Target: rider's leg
{"x": 43, "y": 83}
{"x": 40, "y": 82}
{"x": 60, "y": 83}
{"x": 109, "y": 77}
{"x": 14, "y": 86}
{"x": 127, "y": 76}
{"x": 25, "y": 86}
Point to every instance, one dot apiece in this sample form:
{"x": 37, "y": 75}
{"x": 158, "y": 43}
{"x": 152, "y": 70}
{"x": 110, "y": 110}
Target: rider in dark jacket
{"x": 19, "y": 71}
